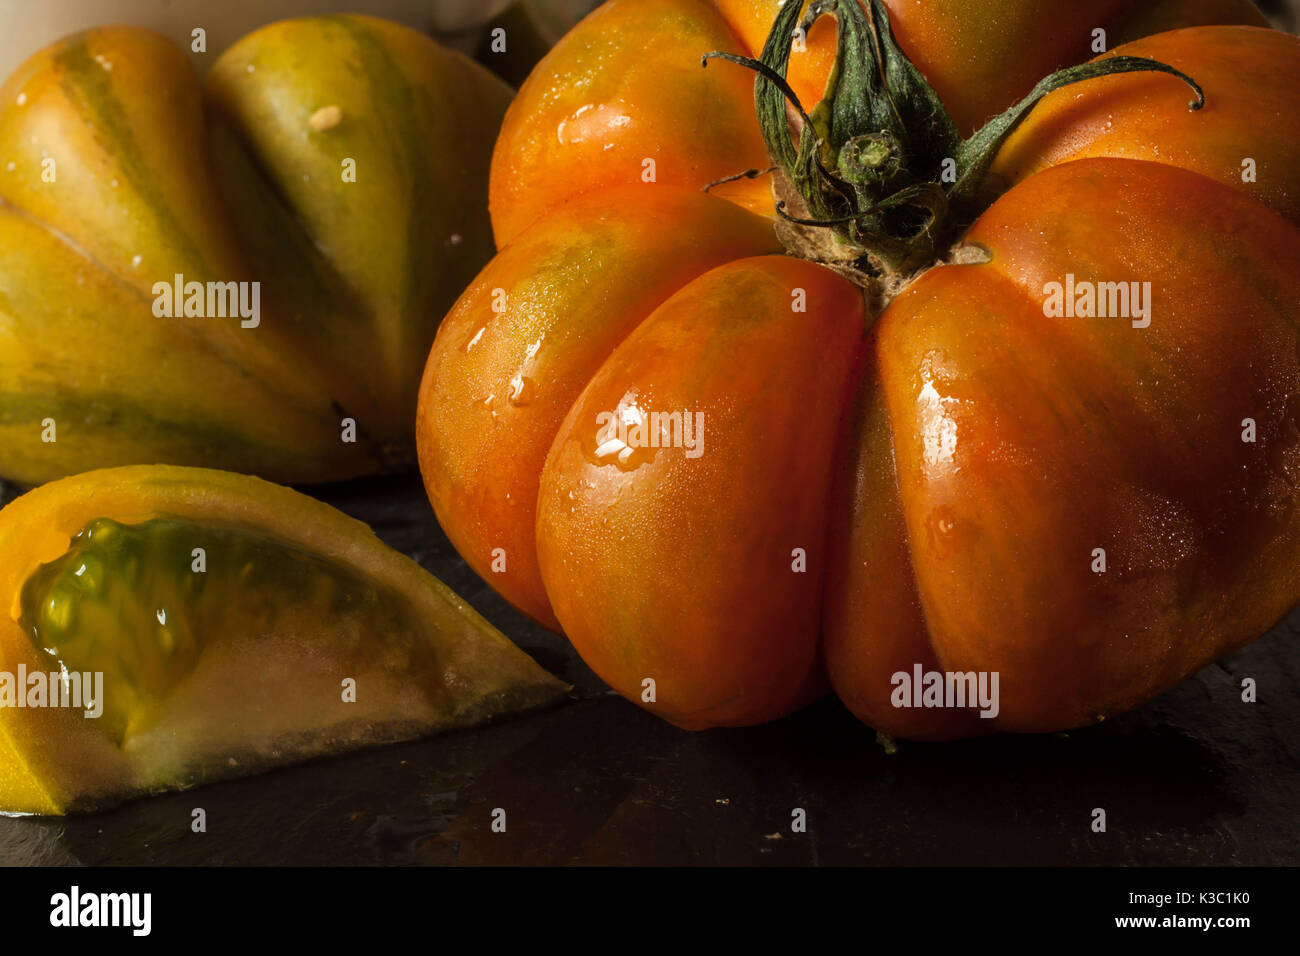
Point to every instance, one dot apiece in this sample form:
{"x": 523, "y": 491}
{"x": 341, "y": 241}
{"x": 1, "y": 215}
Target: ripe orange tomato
{"x": 882, "y": 427}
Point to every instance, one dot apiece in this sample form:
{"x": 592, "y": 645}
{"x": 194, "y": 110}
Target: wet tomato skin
{"x": 633, "y": 554}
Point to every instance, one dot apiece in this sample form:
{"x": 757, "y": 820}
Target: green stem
{"x": 976, "y": 154}
{"x": 870, "y": 158}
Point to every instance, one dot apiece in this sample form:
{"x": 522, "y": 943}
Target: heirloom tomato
{"x": 964, "y": 374}
{"x": 243, "y": 272}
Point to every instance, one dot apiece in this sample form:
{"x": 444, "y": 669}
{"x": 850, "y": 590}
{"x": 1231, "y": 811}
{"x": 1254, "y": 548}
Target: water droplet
{"x": 938, "y": 429}
{"x": 939, "y": 526}
{"x": 522, "y": 390}
{"x": 590, "y": 121}
{"x": 22, "y": 99}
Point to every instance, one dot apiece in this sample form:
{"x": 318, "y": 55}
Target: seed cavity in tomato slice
{"x": 142, "y": 603}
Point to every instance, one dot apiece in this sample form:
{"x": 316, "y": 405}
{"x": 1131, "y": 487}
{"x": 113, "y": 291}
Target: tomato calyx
{"x": 878, "y": 162}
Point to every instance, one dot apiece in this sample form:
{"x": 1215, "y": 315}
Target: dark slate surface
{"x": 1195, "y": 777}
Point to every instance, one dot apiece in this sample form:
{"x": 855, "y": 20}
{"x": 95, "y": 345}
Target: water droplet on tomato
{"x": 939, "y": 527}
{"x": 522, "y": 390}
{"x": 589, "y": 122}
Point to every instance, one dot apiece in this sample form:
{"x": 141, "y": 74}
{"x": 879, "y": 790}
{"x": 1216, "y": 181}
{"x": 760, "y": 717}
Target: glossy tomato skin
{"x": 626, "y": 86}
{"x": 983, "y": 453}
{"x": 623, "y": 100}
{"x": 873, "y": 624}
{"x": 1250, "y": 78}
{"x": 701, "y": 569}
{"x": 516, "y": 350}
{"x": 1030, "y": 447}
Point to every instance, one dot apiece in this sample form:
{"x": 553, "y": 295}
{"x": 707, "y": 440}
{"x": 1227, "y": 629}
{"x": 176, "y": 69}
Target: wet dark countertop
{"x": 1195, "y": 777}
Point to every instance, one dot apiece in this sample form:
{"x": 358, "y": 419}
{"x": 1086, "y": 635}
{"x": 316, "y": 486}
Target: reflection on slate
{"x": 1194, "y": 777}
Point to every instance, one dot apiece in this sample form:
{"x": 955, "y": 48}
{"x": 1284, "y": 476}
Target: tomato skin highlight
{"x": 680, "y": 569}
{"x": 873, "y": 624}
{"x": 499, "y": 383}
{"x": 1024, "y": 442}
{"x": 624, "y": 90}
